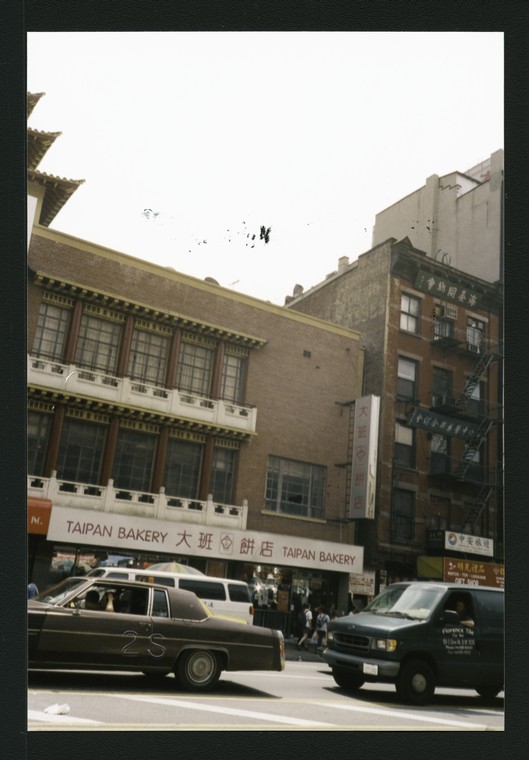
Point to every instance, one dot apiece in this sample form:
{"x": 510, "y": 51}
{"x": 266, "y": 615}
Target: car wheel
{"x": 489, "y": 692}
{"x": 349, "y": 681}
{"x": 198, "y": 669}
{"x": 416, "y": 682}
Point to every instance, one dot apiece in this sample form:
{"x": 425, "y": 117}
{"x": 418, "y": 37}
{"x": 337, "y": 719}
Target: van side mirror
{"x": 450, "y": 616}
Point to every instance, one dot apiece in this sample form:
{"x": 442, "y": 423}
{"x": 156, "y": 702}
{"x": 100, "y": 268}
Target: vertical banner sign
{"x": 364, "y": 464}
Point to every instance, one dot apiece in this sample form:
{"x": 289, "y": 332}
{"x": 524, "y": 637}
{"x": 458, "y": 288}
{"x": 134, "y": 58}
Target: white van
{"x": 222, "y": 595}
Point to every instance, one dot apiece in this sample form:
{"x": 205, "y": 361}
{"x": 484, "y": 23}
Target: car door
{"x": 456, "y": 652}
{"x": 72, "y": 635}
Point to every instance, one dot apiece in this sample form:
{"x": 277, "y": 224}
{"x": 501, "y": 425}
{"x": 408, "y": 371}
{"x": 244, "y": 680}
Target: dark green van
{"x": 421, "y": 635}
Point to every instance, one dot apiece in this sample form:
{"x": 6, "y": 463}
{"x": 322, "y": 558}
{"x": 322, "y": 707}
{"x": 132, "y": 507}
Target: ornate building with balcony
{"x": 433, "y": 353}
{"x": 172, "y": 419}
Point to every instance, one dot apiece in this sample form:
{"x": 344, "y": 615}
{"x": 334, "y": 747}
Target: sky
{"x": 257, "y": 159}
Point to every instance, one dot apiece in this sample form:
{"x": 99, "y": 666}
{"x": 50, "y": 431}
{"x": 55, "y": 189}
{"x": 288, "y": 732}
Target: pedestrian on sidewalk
{"x": 322, "y": 620}
{"x": 307, "y": 630}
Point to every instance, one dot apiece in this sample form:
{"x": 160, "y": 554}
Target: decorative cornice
{"x": 108, "y": 300}
{"x": 129, "y": 412}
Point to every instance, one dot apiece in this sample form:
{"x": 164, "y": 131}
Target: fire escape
{"x": 447, "y": 336}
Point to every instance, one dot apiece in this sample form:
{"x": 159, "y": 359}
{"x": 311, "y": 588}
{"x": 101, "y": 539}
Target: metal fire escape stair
{"x": 481, "y": 367}
{"x": 477, "y": 507}
{"x": 472, "y": 446}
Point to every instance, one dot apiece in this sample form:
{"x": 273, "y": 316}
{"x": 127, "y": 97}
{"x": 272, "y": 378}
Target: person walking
{"x": 322, "y": 620}
{"x": 307, "y": 630}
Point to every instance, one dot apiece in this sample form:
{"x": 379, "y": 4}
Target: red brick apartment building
{"x": 170, "y": 418}
{"x": 433, "y": 354}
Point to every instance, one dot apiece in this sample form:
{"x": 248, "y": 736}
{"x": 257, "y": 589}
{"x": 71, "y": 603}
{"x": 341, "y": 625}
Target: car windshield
{"x": 414, "y": 602}
{"x": 56, "y": 594}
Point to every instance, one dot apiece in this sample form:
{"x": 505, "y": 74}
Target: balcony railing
{"x": 160, "y": 506}
{"x": 122, "y": 390}
{"x": 464, "y": 339}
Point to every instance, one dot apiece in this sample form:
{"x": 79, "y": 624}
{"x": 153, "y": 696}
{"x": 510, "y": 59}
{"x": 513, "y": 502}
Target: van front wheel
{"x": 349, "y": 681}
{"x": 415, "y": 683}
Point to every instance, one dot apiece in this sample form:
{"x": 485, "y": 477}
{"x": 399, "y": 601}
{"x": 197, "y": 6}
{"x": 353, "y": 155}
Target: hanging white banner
{"x": 364, "y": 464}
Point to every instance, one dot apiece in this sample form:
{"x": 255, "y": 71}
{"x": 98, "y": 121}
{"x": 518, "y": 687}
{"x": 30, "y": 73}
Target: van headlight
{"x": 385, "y": 645}
{"x": 330, "y": 636}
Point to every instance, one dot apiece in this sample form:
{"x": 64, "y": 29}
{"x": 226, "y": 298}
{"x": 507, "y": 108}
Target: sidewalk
{"x": 292, "y": 653}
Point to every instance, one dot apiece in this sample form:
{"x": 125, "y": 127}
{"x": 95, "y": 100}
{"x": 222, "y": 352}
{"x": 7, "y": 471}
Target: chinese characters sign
{"x": 462, "y": 542}
{"x": 446, "y": 290}
{"x": 473, "y": 573}
{"x": 438, "y": 423}
{"x": 144, "y": 534}
{"x": 364, "y": 465}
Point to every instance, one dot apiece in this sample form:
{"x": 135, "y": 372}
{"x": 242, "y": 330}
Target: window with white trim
{"x": 410, "y": 308}
{"x": 404, "y": 445}
{"x": 407, "y": 374}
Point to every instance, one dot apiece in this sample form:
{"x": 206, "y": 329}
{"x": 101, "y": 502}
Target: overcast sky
{"x": 189, "y": 143}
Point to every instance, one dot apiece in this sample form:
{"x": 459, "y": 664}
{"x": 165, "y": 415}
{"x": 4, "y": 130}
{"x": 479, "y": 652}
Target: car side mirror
{"x": 450, "y": 616}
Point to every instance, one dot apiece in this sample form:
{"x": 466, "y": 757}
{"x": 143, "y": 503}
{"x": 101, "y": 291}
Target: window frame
{"x": 143, "y": 355}
{"x": 139, "y": 478}
{"x": 408, "y": 451}
{"x": 398, "y": 514}
{"x": 92, "y": 352}
{"x": 195, "y": 368}
{"x": 402, "y": 379}
{"x": 282, "y": 481}
{"x": 407, "y": 314}
{"x": 81, "y": 474}
{"x": 54, "y": 335}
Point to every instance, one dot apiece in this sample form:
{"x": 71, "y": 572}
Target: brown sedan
{"x": 100, "y": 624}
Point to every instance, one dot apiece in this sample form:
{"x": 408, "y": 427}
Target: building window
{"x": 403, "y": 515}
{"x": 295, "y": 488}
{"x": 475, "y": 471}
{"x": 404, "y": 446}
{"x": 441, "y": 387}
{"x": 439, "y": 517}
{"x": 475, "y": 335}
{"x": 232, "y": 378}
{"x": 134, "y": 460}
{"x": 98, "y": 344}
{"x": 440, "y": 455}
{"x": 194, "y": 369}
{"x": 148, "y": 357}
{"x": 182, "y": 468}
{"x": 475, "y": 405}
{"x": 50, "y": 335}
{"x": 443, "y": 328}
{"x": 407, "y": 379}
{"x": 222, "y": 475}
{"x": 81, "y": 451}
{"x": 409, "y": 313}
{"x": 39, "y": 426}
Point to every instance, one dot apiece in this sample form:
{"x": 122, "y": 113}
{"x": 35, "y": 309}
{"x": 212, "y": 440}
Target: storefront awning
{"x": 430, "y": 567}
{"x": 39, "y": 512}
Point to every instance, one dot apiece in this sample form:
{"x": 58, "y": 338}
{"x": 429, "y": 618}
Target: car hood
{"x": 369, "y": 624}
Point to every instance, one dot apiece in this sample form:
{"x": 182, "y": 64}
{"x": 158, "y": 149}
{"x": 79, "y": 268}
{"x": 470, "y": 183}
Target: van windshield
{"x": 414, "y": 602}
